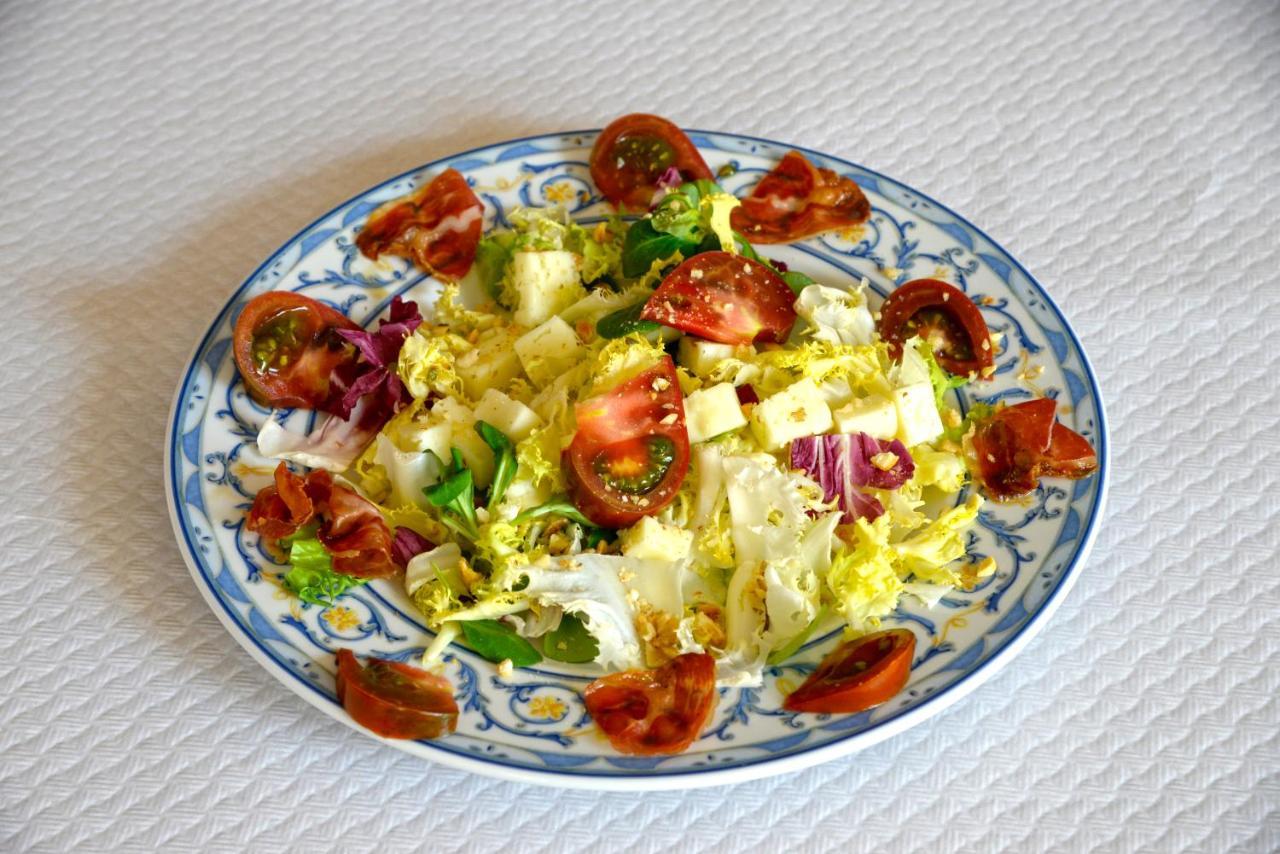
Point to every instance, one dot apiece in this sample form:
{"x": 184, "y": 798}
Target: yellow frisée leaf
{"x": 619, "y": 360}
{"x": 863, "y": 579}
{"x": 717, "y": 207}
{"x": 929, "y": 551}
{"x": 427, "y": 363}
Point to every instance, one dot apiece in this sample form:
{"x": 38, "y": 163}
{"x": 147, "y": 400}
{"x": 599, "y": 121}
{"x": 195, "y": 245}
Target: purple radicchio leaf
{"x": 842, "y": 465}
{"x": 408, "y": 544}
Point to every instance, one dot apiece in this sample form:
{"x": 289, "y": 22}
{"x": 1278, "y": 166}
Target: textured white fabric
{"x": 1128, "y": 153}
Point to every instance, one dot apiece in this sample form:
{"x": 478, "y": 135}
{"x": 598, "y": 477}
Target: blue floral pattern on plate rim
{"x": 531, "y": 726}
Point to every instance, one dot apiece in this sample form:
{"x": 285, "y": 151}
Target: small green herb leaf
{"x": 557, "y": 506}
{"x": 644, "y": 245}
{"x": 504, "y": 460}
{"x": 498, "y": 642}
{"x": 796, "y": 280}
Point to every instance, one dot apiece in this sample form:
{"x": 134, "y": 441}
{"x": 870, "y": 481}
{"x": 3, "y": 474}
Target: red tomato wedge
{"x": 857, "y": 675}
{"x": 396, "y": 700}
{"x": 634, "y": 151}
{"x": 1018, "y": 445}
{"x": 649, "y": 712}
{"x": 288, "y": 353}
{"x": 631, "y": 450}
{"x": 724, "y": 298}
{"x": 797, "y": 199}
{"x": 436, "y": 227}
{"x": 944, "y": 316}
{"x": 351, "y": 528}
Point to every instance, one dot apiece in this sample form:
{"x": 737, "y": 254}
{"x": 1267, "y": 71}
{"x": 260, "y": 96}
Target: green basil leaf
{"x": 570, "y": 642}
{"x": 497, "y": 642}
{"x": 644, "y": 245}
{"x": 625, "y": 321}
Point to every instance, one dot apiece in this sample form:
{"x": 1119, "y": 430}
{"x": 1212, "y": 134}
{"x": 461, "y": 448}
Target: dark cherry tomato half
{"x": 437, "y": 227}
{"x": 724, "y": 298}
{"x": 1017, "y": 445}
{"x": 630, "y": 452}
{"x": 287, "y": 351}
{"x": 396, "y": 700}
{"x": 944, "y": 316}
{"x": 649, "y": 712}
{"x": 857, "y": 675}
{"x": 633, "y": 152}
{"x": 797, "y": 199}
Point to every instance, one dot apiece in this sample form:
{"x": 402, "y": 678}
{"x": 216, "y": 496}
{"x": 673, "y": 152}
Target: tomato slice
{"x": 634, "y": 151}
{"x": 857, "y": 675}
{"x": 648, "y": 712}
{"x": 945, "y": 317}
{"x": 288, "y": 353}
{"x": 631, "y": 450}
{"x": 436, "y": 227}
{"x": 797, "y": 199}
{"x": 1019, "y": 444}
{"x": 724, "y": 298}
{"x": 396, "y": 700}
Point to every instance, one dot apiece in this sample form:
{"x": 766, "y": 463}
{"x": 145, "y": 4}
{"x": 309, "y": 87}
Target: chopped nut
{"x": 669, "y": 418}
{"x": 505, "y": 668}
{"x": 695, "y": 274}
{"x": 661, "y": 384}
{"x": 885, "y": 461}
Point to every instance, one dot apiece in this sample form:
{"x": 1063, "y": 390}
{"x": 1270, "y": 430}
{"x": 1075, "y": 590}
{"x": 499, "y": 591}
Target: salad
{"x": 638, "y": 445}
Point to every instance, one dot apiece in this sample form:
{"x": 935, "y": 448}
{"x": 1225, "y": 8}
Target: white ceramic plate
{"x": 532, "y": 726}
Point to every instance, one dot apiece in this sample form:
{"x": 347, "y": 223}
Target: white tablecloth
{"x": 1128, "y": 153}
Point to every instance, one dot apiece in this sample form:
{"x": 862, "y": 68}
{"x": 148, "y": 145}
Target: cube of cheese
{"x": 876, "y": 416}
{"x": 548, "y": 350}
{"x": 798, "y": 410}
{"x": 492, "y": 364}
{"x": 650, "y": 539}
{"x": 918, "y": 419}
{"x": 701, "y": 357}
{"x": 711, "y": 411}
{"x": 545, "y": 283}
{"x": 510, "y": 416}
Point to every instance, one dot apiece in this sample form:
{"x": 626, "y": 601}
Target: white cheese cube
{"x": 492, "y": 364}
{"x": 798, "y": 410}
{"x": 918, "y": 419}
{"x": 876, "y": 416}
{"x": 510, "y": 416}
{"x": 548, "y": 350}
{"x": 650, "y": 539}
{"x": 701, "y": 357}
{"x": 463, "y": 436}
{"x": 545, "y": 283}
{"x": 711, "y": 411}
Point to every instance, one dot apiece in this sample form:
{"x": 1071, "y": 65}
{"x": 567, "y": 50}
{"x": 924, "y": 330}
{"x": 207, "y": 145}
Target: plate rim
{"x": 690, "y": 777}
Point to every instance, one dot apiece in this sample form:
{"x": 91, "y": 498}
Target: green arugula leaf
{"x": 498, "y": 642}
{"x": 570, "y": 642}
{"x": 504, "y": 460}
{"x": 311, "y": 577}
{"x": 625, "y": 321}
